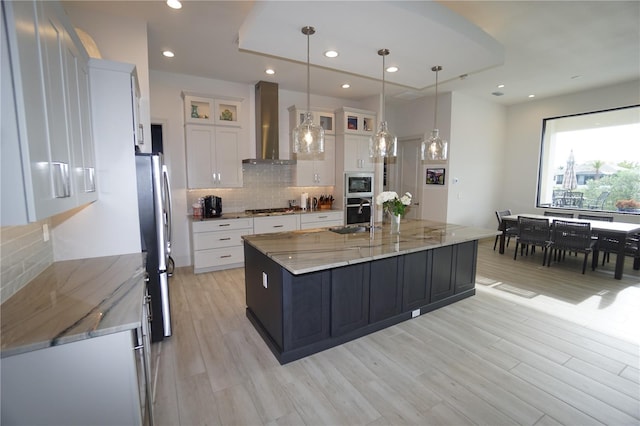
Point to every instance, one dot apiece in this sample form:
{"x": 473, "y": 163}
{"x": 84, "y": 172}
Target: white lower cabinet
{"x": 321, "y": 219}
{"x": 92, "y": 381}
{"x": 217, "y": 244}
{"x": 283, "y": 223}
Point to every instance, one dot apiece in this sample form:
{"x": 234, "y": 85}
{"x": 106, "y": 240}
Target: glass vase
{"x": 395, "y": 224}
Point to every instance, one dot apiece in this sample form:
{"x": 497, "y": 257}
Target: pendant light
{"x": 308, "y": 138}
{"x": 434, "y": 148}
{"x": 383, "y": 143}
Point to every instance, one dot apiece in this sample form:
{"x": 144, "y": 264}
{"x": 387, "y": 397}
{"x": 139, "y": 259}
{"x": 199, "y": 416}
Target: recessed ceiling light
{"x": 174, "y": 4}
{"x": 168, "y": 54}
{"x": 532, "y": 96}
{"x": 392, "y": 69}
{"x": 346, "y": 85}
{"x": 270, "y": 71}
{"x": 330, "y": 53}
{"x": 500, "y": 86}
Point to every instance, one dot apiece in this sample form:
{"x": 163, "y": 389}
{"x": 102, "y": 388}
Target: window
{"x": 591, "y": 161}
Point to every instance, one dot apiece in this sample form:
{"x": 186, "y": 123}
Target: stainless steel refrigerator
{"x": 154, "y": 206}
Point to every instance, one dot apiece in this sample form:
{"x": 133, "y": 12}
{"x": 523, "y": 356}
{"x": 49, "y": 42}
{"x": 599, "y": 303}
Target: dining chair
{"x": 608, "y": 244}
{"x": 533, "y": 232}
{"x": 573, "y": 237}
{"x": 511, "y": 231}
{"x": 557, "y": 214}
{"x": 594, "y": 236}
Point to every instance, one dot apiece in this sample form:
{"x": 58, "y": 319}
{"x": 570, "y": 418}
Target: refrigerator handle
{"x": 167, "y": 189}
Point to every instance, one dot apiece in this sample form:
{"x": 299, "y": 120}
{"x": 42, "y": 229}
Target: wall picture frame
{"x": 435, "y": 176}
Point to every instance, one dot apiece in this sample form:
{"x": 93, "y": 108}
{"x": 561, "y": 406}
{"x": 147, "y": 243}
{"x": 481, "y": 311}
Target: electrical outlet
{"x": 45, "y": 232}
{"x": 415, "y": 313}
{"x": 265, "y": 281}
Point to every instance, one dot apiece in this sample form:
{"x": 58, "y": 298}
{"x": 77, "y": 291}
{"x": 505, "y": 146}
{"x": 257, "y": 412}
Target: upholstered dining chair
{"x": 533, "y": 232}
{"x": 573, "y": 237}
{"x": 510, "y": 231}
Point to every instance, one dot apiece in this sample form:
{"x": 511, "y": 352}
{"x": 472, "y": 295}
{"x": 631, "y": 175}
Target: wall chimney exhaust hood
{"x": 267, "y": 137}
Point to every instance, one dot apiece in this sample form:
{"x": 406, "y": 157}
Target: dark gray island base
{"x": 310, "y": 291}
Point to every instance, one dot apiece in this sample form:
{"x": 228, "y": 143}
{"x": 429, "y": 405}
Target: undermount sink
{"x": 350, "y": 229}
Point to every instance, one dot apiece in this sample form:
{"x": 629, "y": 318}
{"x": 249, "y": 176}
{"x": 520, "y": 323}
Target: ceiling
{"x": 544, "y": 48}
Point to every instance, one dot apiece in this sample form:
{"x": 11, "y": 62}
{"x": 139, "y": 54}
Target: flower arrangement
{"x": 390, "y": 201}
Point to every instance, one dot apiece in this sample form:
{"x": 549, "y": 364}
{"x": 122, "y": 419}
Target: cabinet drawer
{"x": 322, "y": 216}
{"x": 265, "y": 225}
{"x": 218, "y": 257}
{"x": 222, "y": 225}
{"x": 209, "y": 240}
{"x": 326, "y": 224}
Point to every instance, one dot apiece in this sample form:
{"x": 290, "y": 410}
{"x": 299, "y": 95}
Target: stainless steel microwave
{"x": 358, "y": 184}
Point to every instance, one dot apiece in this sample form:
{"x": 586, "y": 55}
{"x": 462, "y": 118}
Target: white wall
{"x": 524, "y": 133}
{"x": 476, "y": 160}
{"x": 415, "y": 118}
{"x": 121, "y": 39}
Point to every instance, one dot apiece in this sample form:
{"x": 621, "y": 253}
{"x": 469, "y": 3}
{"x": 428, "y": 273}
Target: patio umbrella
{"x": 569, "y": 181}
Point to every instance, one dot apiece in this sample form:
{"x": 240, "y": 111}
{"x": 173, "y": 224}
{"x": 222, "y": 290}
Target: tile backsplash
{"x": 264, "y": 186}
{"x": 23, "y": 255}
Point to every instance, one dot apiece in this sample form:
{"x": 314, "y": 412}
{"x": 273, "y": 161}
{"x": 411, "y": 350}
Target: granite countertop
{"x": 240, "y": 215}
{"x": 74, "y": 300}
{"x": 301, "y": 252}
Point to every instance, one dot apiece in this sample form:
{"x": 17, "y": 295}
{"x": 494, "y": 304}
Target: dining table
{"x": 618, "y": 230}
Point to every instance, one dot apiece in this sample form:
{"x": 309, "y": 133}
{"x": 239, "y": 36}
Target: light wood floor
{"x": 534, "y": 346}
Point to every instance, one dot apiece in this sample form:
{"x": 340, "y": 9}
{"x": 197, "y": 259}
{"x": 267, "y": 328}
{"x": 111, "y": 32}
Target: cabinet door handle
{"x": 61, "y": 182}
{"x": 225, "y": 256}
{"x": 89, "y": 179}
{"x": 225, "y": 239}
{"x": 224, "y": 224}
{"x": 322, "y": 217}
{"x": 278, "y": 226}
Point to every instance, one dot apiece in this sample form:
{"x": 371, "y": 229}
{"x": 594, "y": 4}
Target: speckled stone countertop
{"x": 74, "y": 300}
{"x": 301, "y": 252}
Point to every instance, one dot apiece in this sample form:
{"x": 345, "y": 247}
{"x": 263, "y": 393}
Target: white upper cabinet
{"x": 47, "y": 143}
{"x": 354, "y": 129}
{"x": 213, "y": 133}
{"x": 315, "y": 169}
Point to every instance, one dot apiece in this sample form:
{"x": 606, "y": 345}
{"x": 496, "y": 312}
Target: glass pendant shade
{"x": 434, "y": 147}
{"x": 308, "y": 137}
{"x": 383, "y": 143}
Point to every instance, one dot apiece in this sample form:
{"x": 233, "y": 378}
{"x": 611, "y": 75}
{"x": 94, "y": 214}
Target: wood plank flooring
{"x": 534, "y": 346}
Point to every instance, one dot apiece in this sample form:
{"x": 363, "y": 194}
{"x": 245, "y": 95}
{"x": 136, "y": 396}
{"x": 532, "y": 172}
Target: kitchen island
{"x": 307, "y": 291}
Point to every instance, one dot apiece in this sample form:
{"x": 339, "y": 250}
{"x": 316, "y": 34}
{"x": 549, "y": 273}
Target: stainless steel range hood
{"x": 267, "y": 137}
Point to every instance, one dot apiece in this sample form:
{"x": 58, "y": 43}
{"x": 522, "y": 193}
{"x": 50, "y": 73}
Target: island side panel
{"x": 385, "y": 290}
{"x": 349, "y": 298}
{"x": 306, "y": 308}
{"x": 263, "y": 288}
{"x": 417, "y": 287}
{"x": 465, "y": 266}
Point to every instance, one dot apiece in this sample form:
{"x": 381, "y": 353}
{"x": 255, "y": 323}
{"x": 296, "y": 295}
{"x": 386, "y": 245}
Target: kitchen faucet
{"x": 372, "y": 218}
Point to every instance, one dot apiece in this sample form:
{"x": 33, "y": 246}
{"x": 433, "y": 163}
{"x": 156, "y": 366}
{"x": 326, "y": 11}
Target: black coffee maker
{"x": 212, "y": 206}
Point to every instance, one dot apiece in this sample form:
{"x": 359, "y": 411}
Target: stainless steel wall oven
{"x": 358, "y": 197}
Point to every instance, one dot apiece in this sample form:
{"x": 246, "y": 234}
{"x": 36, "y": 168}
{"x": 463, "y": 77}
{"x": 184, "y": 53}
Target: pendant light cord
{"x": 435, "y": 111}
{"x": 383, "y": 101}
{"x": 309, "y": 78}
